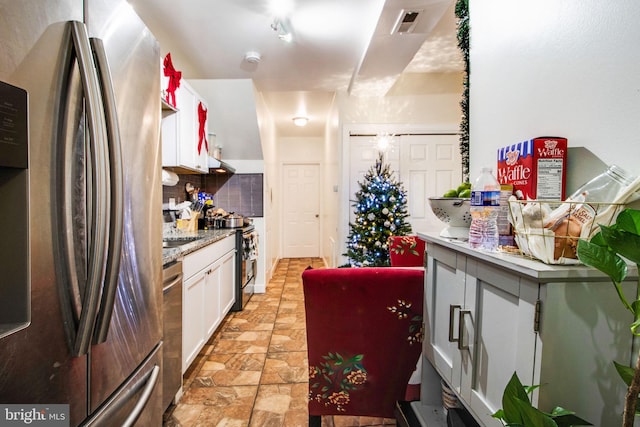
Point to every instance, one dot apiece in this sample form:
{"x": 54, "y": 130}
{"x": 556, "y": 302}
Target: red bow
{"x": 174, "y": 79}
{"x": 202, "y": 119}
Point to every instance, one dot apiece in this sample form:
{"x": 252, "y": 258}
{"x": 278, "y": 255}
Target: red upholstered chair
{"x": 364, "y": 333}
{"x": 406, "y": 251}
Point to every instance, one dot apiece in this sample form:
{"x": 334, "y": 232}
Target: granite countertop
{"x": 192, "y": 242}
{"x": 527, "y": 266}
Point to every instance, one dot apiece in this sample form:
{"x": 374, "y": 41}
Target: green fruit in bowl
{"x": 465, "y": 194}
{"x": 451, "y": 193}
{"x": 464, "y": 186}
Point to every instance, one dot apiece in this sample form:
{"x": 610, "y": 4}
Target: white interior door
{"x": 430, "y": 165}
{"x": 426, "y": 164}
{"x": 301, "y": 200}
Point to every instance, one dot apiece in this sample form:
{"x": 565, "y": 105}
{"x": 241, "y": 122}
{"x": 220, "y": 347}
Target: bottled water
{"x": 485, "y": 203}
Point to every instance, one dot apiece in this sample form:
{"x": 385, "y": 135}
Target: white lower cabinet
{"x": 193, "y": 336}
{"x": 209, "y": 293}
{"x": 227, "y": 275}
{"x": 487, "y": 316}
{"x": 212, "y": 310}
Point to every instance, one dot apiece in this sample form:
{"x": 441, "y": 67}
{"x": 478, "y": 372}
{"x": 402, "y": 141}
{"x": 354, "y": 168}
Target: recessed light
{"x": 300, "y": 121}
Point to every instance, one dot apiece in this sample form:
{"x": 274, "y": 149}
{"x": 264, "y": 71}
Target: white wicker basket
{"x": 549, "y": 230}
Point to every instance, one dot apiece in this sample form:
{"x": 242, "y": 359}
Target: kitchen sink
{"x": 178, "y": 241}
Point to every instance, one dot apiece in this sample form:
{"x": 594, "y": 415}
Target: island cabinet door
{"x": 444, "y": 298}
{"x": 498, "y": 336}
{"x": 585, "y": 328}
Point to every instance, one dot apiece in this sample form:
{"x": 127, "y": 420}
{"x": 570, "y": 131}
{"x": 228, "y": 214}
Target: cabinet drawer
{"x": 202, "y": 258}
{"x": 444, "y": 255}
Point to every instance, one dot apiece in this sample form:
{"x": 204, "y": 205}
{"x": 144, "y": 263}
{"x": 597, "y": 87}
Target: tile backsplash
{"x": 240, "y": 193}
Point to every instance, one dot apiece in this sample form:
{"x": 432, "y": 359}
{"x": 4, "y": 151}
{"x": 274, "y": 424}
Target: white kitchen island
{"x": 490, "y": 314}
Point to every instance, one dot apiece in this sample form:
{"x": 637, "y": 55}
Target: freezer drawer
{"x": 138, "y": 401}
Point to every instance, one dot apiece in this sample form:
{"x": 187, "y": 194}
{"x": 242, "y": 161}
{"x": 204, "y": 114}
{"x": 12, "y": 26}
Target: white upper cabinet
{"x": 184, "y": 132}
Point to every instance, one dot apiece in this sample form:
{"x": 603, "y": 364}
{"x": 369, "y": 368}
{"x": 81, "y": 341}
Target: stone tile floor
{"x": 253, "y": 372}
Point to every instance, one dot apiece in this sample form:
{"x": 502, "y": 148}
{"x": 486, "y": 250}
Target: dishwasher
{"x": 172, "y": 332}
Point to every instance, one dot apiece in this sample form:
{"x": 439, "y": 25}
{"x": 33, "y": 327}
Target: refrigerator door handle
{"x": 143, "y": 386}
{"x": 151, "y": 381}
{"x": 99, "y": 204}
{"x": 116, "y": 226}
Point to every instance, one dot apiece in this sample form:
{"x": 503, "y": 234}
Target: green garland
{"x": 462, "y": 13}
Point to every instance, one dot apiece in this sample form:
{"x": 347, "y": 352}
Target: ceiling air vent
{"x": 406, "y": 21}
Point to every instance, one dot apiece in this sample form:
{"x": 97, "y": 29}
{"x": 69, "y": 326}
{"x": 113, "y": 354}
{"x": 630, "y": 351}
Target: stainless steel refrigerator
{"x": 80, "y": 195}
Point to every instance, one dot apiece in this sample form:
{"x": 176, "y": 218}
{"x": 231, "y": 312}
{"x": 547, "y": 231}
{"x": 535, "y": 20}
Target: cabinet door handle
{"x": 461, "y": 330}
{"x": 452, "y": 311}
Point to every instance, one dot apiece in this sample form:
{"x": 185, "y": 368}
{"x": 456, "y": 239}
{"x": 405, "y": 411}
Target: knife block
{"x": 188, "y": 225}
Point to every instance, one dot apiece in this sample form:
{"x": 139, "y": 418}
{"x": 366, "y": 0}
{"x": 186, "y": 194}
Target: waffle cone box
{"x": 536, "y": 168}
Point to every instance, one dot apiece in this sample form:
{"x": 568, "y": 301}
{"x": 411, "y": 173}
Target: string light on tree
{"x": 381, "y": 211}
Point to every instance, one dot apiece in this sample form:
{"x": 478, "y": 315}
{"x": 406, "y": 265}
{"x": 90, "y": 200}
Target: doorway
{"x": 427, "y": 164}
{"x": 301, "y": 210}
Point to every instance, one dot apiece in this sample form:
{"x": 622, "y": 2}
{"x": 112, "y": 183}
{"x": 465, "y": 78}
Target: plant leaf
{"x": 499, "y": 414}
{"x": 533, "y": 417}
{"x": 598, "y": 240}
{"x": 530, "y": 388}
{"x": 622, "y": 242}
{"x": 565, "y": 418}
{"x": 635, "y": 326}
{"x": 629, "y": 220}
{"x": 512, "y": 398}
{"x": 625, "y": 372}
{"x": 570, "y": 420}
{"x": 559, "y": 411}
{"x": 602, "y": 258}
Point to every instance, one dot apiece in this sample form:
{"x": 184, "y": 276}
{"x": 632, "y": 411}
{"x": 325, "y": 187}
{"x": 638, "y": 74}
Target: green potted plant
{"x": 517, "y": 410}
{"x": 607, "y": 251}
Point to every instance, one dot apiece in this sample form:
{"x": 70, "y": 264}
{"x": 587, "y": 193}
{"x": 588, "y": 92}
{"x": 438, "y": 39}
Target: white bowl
{"x": 453, "y": 211}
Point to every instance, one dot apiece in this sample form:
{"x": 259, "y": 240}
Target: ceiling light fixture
{"x": 252, "y": 57}
{"x": 300, "y": 121}
{"x": 281, "y": 27}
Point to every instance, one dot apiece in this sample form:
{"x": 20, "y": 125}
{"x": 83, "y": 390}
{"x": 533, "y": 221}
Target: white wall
{"x": 424, "y": 99}
{"x": 232, "y": 116}
{"x": 563, "y": 68}
{"x": 271, "y": 186}
{"x": 330, "y": 246}
{"x": 300, "y": 150}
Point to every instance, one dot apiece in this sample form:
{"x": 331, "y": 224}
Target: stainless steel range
{"x": 246, "y": 265}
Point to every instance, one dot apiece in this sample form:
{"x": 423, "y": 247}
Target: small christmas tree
{"x": 381, "y": 210}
